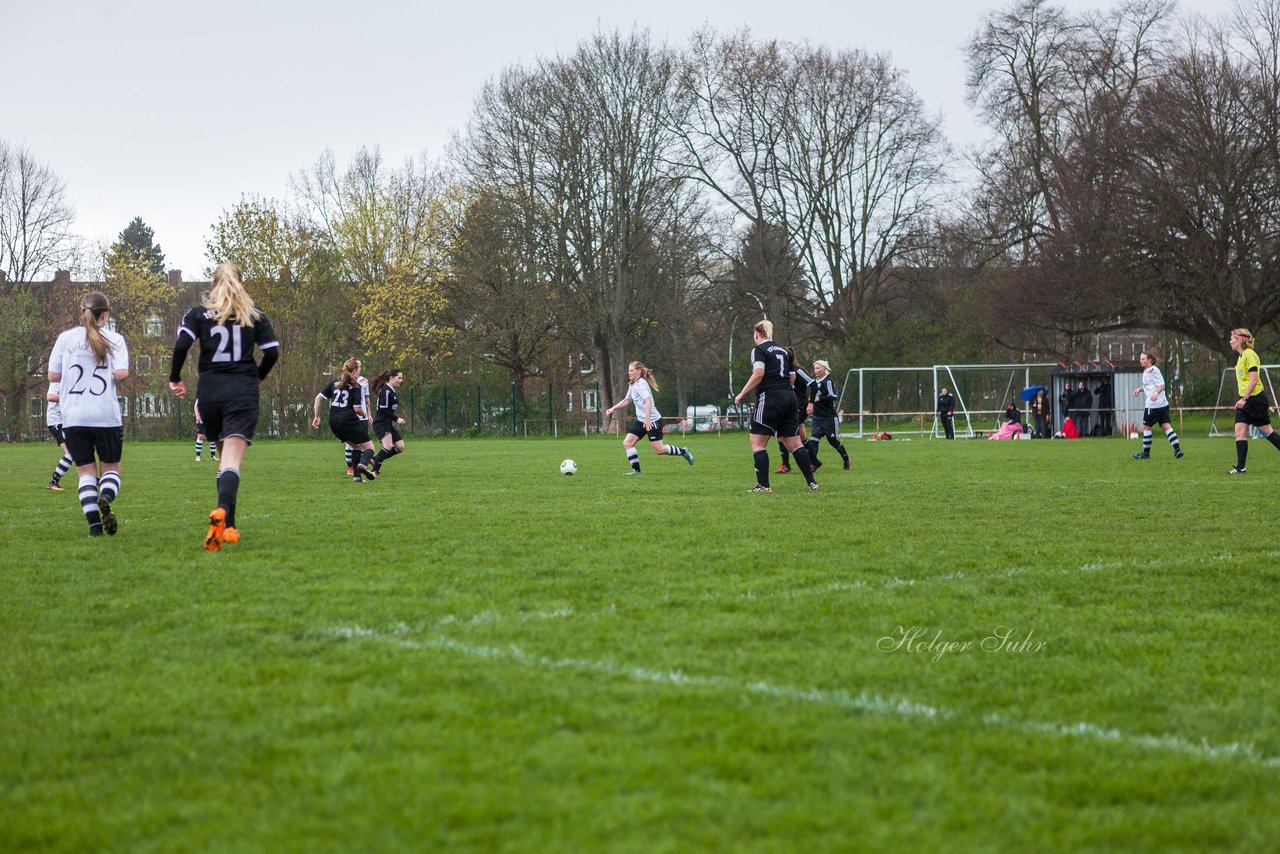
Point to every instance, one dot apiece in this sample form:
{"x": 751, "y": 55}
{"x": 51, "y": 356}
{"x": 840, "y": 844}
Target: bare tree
{"x": 736, "y": 97}
{"x": 579, "y": 145}
{"x": 35, "y": 217}
{"x": 863, "y": 169}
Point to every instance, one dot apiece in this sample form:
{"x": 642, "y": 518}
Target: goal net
{"x": 903, "y": 399}
{"x": 886, "y": 400}
{"x": 1223, "y": 422}
{"x": 983, "y": 392}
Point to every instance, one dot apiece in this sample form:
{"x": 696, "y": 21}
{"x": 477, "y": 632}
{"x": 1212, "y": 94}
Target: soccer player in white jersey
{"x": 87, "y": 361}
{"x": 1156, "y": 405}
{"x": 648, "y": 419}
{"x": 53, "y": 420}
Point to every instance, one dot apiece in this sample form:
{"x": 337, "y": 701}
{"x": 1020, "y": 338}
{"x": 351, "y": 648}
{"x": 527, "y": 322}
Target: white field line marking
{"x": 963, "y": 575}
{"x": 399, "y": 635}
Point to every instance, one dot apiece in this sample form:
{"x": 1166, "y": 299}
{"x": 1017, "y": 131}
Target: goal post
{"x": 1228, "y": 394}
{"x": 886, "y": 400}
{"x": 982, "y": 392}
{"x": 903, "y": 398}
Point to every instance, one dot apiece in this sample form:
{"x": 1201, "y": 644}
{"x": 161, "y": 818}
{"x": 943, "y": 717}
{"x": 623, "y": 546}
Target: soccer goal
{"x": 1223, "y": 422}
{"x": 982, "y": 393}
{"x": 903, "y": 399}
{"x": 886, "y": 400}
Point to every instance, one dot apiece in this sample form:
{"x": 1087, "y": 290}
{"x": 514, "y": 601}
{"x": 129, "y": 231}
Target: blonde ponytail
{"x": 228, "y": 299}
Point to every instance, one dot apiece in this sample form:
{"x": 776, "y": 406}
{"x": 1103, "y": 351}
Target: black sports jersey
{"x": 343, "y": 401}
{"x": 803, "y": 388}
{"x": 777, "y": 366}
{"x": 825, "y": 397}
{"x": 388, "y": 403}
{"x": 227, "y": 368}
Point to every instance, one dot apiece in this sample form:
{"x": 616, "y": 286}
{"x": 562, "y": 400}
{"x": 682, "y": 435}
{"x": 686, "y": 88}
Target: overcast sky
{"x": 171, "y": 110}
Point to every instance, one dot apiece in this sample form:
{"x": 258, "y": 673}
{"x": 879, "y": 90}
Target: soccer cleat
{"x": 197, "y": 458}
{"x": 1177, "y": 455}
{"x": 109, "y": 521}
{"x": 782, "y": 468}
{"x": 230, "y": 535}
{"x": 217, "y": 530}
{"x": 55, "y": 486}
{"x": 632, "y": 473}
{"x": 1142, "y": 456}
{"x": 1235, "y": 470}
{"x": 846, "y": 464}
{"x": 759, "y": 488}
{"x": 817, "y": 464}
{"x": 366, "y": 472}
{"x": 813, "y": 487}
{"x": 357, "y": 479}
{"x": 95, "y": 530}
{"x": 688, "y": 455}
{"x": 351, "y": 470}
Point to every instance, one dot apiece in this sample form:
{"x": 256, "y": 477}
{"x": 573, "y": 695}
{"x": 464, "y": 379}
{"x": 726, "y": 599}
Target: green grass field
{"x": 477, "y": 653}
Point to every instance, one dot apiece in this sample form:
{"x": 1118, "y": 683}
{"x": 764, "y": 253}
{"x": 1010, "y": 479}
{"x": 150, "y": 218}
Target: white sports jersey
{"x": 639, "y": 392}
{"x": 1152, "y": 379}
{"x": 53, "y": 413}
{"x": 88, "y": 395}
{"x": 364, "y": 396}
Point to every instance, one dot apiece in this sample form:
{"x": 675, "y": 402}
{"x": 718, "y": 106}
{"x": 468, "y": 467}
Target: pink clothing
{"x": 1008, "y": 430}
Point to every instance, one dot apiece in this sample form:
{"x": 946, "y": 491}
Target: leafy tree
{"x": 136, "y": 244}
{"x": 389, "y": 231}
{"x": 499, "y": 300}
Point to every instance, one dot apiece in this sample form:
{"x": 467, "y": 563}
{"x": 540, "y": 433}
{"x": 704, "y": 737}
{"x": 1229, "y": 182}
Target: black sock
{"x": 839, "y": 446}
{"x": 761, "y": 460}
{"x": 1242, "y": 453}
{"x": 802, "y": 460}
{"x": 786, "y": 458}
{"x": 228, "y": 487}
{"x": 1274, "y": 438}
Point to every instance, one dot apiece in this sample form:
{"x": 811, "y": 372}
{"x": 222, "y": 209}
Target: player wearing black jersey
{"x": 348, "y": 417}
{"x": 804, "y": 390}
{"x": 823, "y": 409}
{"x": 386, "y": 417}
{"x": 228, "y": 327}
{"x": 775, "y": 413}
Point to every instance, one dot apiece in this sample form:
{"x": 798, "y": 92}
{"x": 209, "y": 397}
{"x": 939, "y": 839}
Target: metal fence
{"x": 546, "y": 409}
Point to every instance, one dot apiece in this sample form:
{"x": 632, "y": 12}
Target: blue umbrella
{"x": 1030, "y": 391}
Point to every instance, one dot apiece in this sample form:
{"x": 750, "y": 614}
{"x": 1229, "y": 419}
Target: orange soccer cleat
{"x": 217, "y": 530}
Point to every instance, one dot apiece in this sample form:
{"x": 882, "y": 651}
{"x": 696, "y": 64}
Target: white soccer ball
{"x": 568, "y": 467}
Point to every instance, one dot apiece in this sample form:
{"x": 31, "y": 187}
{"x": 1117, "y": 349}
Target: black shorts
{"x": 350, "y": 430}
{"x": 1159, "y": 415}
{"x": 226, "y": 418}
{"x": 823, "y": 425}
{"x": 55, "y": 430}
{"x": 382, "y": 428}
{"x": 1256, "y": 411}
{"x": 775, "y": 414}
{"x": 635, "y": 428}
{"x": 87, "y": 444}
